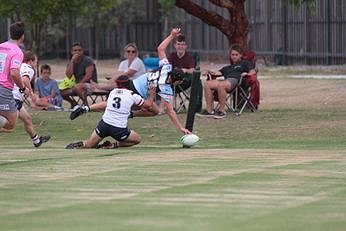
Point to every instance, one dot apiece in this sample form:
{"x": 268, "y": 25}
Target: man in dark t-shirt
{"x": 83, "y": 68}
{"x": 232, "y": 74}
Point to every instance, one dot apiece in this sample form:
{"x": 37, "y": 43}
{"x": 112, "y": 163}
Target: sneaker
{"x": 78, "y": 144}
{"x": 205, "y": 113}
{"x": 43, "y": 139}
{"x": 219, "y": 115}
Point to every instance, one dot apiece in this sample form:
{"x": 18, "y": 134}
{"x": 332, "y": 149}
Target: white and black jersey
{"x": 26, "y": 71}
{"x": 119, "y": 105}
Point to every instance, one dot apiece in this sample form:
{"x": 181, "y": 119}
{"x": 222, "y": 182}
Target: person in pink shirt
{"x": 11, "y": 57}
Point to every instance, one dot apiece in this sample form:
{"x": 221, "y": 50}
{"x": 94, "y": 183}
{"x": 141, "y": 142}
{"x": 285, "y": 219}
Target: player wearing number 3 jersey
{"x": 114, "y": 120}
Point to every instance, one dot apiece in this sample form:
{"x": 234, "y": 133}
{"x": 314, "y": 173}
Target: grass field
{"x": 282, "y": 168}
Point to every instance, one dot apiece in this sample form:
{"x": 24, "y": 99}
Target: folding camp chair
{"x": 241, "y": 96}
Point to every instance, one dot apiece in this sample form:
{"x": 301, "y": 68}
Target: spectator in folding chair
{"x": 83, "y": 69}
{"x": 232, "y": 74}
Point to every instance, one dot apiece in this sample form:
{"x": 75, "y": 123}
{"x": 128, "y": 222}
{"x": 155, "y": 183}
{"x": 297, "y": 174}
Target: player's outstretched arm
{"x": 173, "y": 116}
{"x": 161, "y": 49}
{"x": 79, "y": 110}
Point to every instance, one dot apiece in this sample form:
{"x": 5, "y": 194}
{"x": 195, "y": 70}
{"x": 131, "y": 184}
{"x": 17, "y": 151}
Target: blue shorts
{"x": 120, "y": 134}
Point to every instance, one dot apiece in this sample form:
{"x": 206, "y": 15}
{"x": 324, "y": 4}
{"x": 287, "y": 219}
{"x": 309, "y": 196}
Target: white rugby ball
{"x": 189, "y": 139}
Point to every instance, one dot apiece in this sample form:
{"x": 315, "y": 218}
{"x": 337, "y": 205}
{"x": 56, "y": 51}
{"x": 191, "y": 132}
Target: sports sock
{"x": 35, "y": 139}
{"x": 3, "y": 121}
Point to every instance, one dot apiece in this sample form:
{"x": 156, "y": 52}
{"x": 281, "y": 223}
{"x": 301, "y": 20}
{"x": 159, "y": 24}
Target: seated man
{"x": 232, "y": 74}
{"x": 114, "y": 120}
{"x": 82, "y": 67}
{"x": 46, "y": 88}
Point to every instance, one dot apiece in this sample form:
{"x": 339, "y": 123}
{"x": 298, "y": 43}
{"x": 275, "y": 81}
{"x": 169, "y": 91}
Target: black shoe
{"x": 43, "y": 139}
{"x": 78, "y": 110}
{"x": 205, "y": 113}
{"x": 219, "y": 115}
{"x": 75, "y": 145}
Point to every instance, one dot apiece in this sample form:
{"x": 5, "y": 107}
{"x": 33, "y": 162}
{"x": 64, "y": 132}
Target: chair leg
{"x": 246, "y": 97}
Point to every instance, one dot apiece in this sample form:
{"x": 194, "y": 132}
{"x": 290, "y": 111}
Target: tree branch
{"x": 210, "y": 17}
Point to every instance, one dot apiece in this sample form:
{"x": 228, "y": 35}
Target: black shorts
{"x": 19, "y": 104}
{"x": 120, "y": 134}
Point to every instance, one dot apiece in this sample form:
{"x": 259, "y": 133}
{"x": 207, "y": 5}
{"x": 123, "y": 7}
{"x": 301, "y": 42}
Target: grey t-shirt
{"x": 79, "y": 69}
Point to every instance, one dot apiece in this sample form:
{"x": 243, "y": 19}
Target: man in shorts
{"x": 27, "y": 72}
{"x": 11, "y": 58}
{"x": 114, "y": 120}
{"x": 232, "y": 74}
{"x": 83, "y": 69}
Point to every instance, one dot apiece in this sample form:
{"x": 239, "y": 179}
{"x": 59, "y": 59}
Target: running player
{"x": 11, "y": 58}
{"x": 27, "y": 73}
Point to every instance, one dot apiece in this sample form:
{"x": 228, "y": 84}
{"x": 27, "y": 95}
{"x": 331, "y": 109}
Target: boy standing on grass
{"x": 27, "y": 73}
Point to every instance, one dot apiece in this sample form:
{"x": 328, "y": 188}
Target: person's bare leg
{"x": 222, "y": 91}
{"x": 66, "y": 96}
{"x": 93, "y": 140}
{"x": 133, "y": 139}
{"x": 27, "y": 120}
{"x": 209, "y": 87}
{"x": 9, "y": 120}
{"x": 81, "y": 91}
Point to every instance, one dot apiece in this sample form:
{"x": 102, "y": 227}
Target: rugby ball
{"x": 189, "y": 139}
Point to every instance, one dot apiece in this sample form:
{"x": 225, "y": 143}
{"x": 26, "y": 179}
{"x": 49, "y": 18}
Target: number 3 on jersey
{"x": 116, "y": 102}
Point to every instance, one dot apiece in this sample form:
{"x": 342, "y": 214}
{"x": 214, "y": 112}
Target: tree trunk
{"x": 236, "y": 27}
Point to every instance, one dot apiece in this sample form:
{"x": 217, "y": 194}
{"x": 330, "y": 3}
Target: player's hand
{"x": 176, "y": 31}
{"x": 75, "y": 57}
{"x": 78, "y": 110}
{"x": 152, "y": 90}
{"x": 186, "y": 131}
{"x": 26, "y": 92}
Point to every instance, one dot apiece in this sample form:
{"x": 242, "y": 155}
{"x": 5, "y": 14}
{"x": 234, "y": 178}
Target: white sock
{"x": 3, "y": 121}
{"x": 35, "y": 139}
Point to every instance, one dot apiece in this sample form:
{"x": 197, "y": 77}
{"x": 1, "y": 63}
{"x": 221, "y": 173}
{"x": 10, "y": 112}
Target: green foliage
{"x": 298, "y": 3}
{"x": 167, "y": 6}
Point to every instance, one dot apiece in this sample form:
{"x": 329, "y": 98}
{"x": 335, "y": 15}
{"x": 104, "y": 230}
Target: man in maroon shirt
{"x": 186, "y": 62}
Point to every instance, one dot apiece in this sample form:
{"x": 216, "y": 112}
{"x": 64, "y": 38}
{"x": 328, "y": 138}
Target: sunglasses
{"x": 131, "y": 51}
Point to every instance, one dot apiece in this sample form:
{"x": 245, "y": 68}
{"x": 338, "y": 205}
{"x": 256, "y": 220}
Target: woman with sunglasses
{"x": 132, "y": 66}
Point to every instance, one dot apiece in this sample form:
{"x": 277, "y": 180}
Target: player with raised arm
{"x": 115, "y": 118}
{"x": 163, "y": 78}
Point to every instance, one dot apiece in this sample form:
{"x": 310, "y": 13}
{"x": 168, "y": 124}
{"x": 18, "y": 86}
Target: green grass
{"x": 278, "y": 169}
